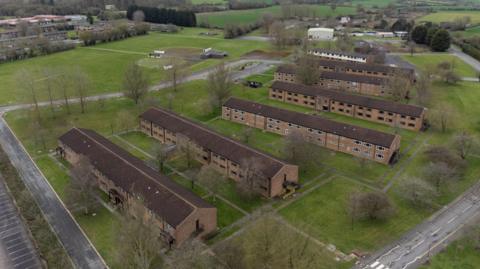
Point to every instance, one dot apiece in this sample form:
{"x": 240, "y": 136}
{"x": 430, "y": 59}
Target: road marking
{"x": 406, "y": 265}
{"x": 418, "y": 244}
{"x": 452, "y": 219}
{"x": 390, "y": 251}
{"x": 373, "y": 265}
{"x": 436, "y": 231}
{"x": 465, "y": 210}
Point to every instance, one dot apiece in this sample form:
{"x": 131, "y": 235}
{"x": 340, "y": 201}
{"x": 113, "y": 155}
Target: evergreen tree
{"x": 419, "y": 34}
{"x": 430, "y": 33}
{"x": 441, "y": 40}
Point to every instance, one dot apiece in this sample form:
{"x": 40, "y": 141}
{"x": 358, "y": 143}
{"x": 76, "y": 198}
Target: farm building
{"x": 140, "y": 190}
{"x": 320, "y": 33}
{"x": 405, "y": 116}
{"x": 232, "y": 158}
{"x": 358, "y": 141}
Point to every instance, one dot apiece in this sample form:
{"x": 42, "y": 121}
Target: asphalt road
{"x": 82, "y": 253}
{"x": 16, "y": 249}
{"x": 80, "y": 250}
{"x": 429, "y": 237}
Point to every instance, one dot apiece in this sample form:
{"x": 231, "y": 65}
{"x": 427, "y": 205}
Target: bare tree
{"x": 175, "y": 72}
{"x": 50, "y": 87}
{"x": 267, "y": 21}
{"x": 423, "y": 86}
{"x": 299, "y": 151}
{"x": 81, "y": 84}
{"x": 231, "y": 255}
{"x": 135, "y": 83}
{"x": 252, "y": 174}
{"x": 187, "y": 151}
{"x": 139, "y": 244}
{"x": 371, "y": 205}
{"x": 28, "y": 85}
{"x": 278, "y": 34}
{"x": 463, "y": 144}
{"x": 62, "y": 83}
{"x": 247, "y": 134}
{"x": 308, "y": 72}
{"x": 161, "y": 154}
{"x": 138, "y": 16}
{"x": 81, "y": 190}
{"x": 220, "y": 84}
{"x": 125, "y": 121}
{"x": 211, "y": 179}
{"x": 399, "y": 87}
{"x": 440, "y": 174}
{"x": 191, "y": 254}
{"x": 417, "y": 192}
{"x": 443, "y": 117}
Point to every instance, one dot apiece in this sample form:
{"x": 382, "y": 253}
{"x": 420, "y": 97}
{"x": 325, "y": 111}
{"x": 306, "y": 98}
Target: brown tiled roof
{"x": 385, "y": 105}
{"x": 363, "y": 66}
{"x": 160, "y": 194}
{"x": 290, "y": 69}
{"x": 212, "y": 141}
{"x": 313, "y": 122}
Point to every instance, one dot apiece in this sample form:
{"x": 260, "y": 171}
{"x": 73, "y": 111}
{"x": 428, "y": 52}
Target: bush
{"x": 441, "y": 41}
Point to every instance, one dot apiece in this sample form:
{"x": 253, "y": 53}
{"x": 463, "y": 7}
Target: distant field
{"x": 198, "y": 2}
{"x": 222, "y": 18}
{"x": 105, "y": 63}
{"x": 472, "y": 31}
{"x": 371, "y": 3}
{"x": 443, "y": 16}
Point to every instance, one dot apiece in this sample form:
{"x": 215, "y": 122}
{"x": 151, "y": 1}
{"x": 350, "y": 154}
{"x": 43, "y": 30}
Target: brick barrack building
{"x": 381, "y": 111}
{"x": 369, "y": 85}
{"x": 366, "y": 143}
{"x": 177, "y": 213}
{"x": 341, "y": 55}
{"x": 376, "y": 70}
{"x": 226, "y": 155}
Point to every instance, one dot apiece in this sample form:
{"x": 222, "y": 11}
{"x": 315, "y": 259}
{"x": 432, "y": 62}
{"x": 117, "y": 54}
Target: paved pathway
{"x": 16, "y": 248}
{"x": 76, "y": 243}
{"x": 466, "y": 58}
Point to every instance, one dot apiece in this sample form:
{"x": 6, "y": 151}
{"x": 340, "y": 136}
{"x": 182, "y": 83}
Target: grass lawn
{"x": 444, "y": 16}
{"x": 328, "y": 219}
{"x": 424, "y": 62}
{"x": 462, "y": 253}
{"x": 220, "y": 19}
{"x": 106, "y": 63}
{"x": 226, "y": 214}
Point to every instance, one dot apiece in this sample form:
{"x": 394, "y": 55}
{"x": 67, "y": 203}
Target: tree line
{"x": 122, "y": 31}
{"x": 431, "y": 35}
{"x": 164, "y": 16}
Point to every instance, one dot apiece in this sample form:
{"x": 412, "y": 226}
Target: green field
{"x": 371, "y": 3}
{"x": 429, "y": 61}
{"x": 220, "y": 19}
{"x": 106, "y": 63}
{"x": 462, "y": 253}
{"x": 450, "y": 16}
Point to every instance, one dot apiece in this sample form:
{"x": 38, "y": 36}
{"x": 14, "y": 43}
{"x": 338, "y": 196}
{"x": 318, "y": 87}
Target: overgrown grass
{"x": 429, "y": 62}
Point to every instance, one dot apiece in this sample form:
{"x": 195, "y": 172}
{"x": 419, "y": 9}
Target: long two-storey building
{"x": 176, "y": 213}
{"x": 399, "y": 115}
{"x": 341, "y": 55}
{"x": 358, "y": 141}
{"x": 226, "y": 155}
{"x": 369, "y": 85}
{"x": 370, "y": 69}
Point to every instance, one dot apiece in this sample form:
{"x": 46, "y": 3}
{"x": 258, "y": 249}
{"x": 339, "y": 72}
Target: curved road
{"x": 81, "y": 251}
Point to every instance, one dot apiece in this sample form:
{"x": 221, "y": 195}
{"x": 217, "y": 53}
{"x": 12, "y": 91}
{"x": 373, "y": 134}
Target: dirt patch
{"x": 261, "y": 54}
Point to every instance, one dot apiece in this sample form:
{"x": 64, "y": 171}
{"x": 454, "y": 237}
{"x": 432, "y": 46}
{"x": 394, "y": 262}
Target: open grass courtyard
{"x": 431, "y": 61}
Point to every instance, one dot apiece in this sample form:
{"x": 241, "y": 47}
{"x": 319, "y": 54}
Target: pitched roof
{"x": 363, "y": 66}
{"x": 160, "y": 194}
{"x": 291, "y": 69}
{"x": 359, "y": 100}
{"x": 351, "y": 54}
{"x": 208, "y": 139}
{"x": 313, "y": 122}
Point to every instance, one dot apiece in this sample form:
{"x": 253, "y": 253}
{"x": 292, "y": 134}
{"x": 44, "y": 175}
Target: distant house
{"x": 211, "y": 53}
{"x": 345, "y": 20}
{"x": 320, "y": 33}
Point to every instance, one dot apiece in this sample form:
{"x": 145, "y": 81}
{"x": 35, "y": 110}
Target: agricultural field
{"x": 106, "y": 63}
{"x": 431, "y": 61}
{"x": 372, "y": 3}
{"x": 450, "y": 16}
{"x": 220, "y": 19}
{"x": 469, "y": 32}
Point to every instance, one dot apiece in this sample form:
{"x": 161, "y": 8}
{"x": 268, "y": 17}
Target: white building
{"x": 320, "y": 33}
{"x": 339, "y": 55}
{"x": 345, "y": 20}
{"x": 385, "y": 34}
